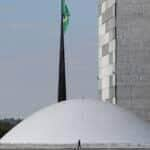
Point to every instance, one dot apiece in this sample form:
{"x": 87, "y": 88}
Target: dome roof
{"x": 91, "y": 121}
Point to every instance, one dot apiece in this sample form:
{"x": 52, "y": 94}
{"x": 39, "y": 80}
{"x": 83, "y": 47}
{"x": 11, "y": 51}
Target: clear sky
{"x": 29, "y": 48}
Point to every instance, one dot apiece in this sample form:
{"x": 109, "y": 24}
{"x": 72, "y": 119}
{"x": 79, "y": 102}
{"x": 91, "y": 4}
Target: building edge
{"x": 107, "y": 51}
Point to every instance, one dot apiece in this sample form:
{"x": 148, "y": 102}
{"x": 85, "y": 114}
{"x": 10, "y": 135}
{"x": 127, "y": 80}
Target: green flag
{"x": 66, "y": 15}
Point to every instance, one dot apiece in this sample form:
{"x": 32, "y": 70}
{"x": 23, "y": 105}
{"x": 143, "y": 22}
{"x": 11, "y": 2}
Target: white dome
{"x": 91, "y": 121}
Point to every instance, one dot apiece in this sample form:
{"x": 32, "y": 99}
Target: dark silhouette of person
{"x": 79, "y": 145}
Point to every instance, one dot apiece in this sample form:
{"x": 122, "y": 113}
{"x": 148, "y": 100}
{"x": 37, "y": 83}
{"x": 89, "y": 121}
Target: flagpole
{"x": 62, "y": 71}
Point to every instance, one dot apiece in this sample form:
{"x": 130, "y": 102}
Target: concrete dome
{"x": 91, "y": 121}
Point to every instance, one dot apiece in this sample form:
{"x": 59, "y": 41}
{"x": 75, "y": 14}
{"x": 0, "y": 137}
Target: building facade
{"x": 124, "y": 54}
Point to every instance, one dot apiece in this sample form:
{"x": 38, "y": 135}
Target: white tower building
{"x": 124, "y": 54}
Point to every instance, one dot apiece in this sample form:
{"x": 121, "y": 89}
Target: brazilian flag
{"x": 66, "y": 15}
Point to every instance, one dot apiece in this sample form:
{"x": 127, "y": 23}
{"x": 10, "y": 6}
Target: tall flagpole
{"x": 62, "y": 71}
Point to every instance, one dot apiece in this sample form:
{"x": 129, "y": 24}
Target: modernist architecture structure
{"x": 124, "y": 79}
{"x": 95, "y": 124}
{"x": 124, "y": 54}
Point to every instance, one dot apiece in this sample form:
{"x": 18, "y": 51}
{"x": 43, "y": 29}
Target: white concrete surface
{"x": 91, "y": 121}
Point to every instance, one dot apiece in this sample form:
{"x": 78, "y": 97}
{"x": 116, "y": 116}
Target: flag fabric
{"x": 66, "y": 16}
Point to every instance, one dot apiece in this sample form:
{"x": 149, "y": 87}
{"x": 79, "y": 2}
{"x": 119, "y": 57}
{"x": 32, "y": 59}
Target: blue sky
{"x": 29, "y": 48}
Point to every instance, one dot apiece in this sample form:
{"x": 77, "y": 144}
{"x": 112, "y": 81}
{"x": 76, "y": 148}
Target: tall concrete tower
{"x": 124, "y": 54}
